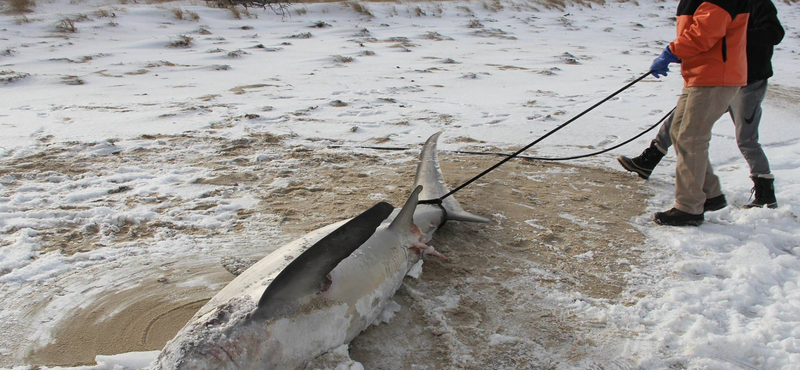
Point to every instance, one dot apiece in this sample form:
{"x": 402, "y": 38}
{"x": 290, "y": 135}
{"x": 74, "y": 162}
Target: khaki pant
{"x": 745, "y": 110}
{"x": 697, "y": 110}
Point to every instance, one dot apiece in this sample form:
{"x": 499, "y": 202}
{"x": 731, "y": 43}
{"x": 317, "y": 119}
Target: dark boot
{"x": 676, "y": 217}
{"x": 644, "y": 164}
{"x": 764, "y": 189}
{"x": 715, "y": 203}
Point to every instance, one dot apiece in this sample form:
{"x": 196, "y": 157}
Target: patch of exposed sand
{"x": 137, "y": 319}
{"x": 556, "y": 227}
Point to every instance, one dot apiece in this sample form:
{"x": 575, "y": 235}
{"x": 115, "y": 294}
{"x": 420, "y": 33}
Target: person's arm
{"x": 764, "y": 24}
{"x": 709, "y": 25}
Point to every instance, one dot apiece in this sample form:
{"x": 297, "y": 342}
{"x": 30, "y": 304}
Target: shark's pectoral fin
{"x": 308, "y": 273}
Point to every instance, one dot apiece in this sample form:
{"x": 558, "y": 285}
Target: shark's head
{"x": 223, "y": 338}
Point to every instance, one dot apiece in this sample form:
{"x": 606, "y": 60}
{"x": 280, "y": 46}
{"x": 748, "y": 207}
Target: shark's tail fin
{"x": 429, "y": 175}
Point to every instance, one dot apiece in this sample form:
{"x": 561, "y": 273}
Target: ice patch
{"x": 125, "y": 361}
{"x": 415, "y": 270}
{"x": 335, "y": 359}
{"x": 18, "y": 255}
{"x": 388, "y": 313}
{"x": 280, "y": 183}
{"x": 265, "y": 157}
{"x": 377, "y": 196}
{"x": 581, "y": 223}
{"x": 535, "y": 225}
{"x": 499, "y": 339}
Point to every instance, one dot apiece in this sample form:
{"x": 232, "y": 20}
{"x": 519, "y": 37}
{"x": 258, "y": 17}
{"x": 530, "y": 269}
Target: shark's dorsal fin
{"x": 307, "y": 273}
{"x": 405, "y": 218}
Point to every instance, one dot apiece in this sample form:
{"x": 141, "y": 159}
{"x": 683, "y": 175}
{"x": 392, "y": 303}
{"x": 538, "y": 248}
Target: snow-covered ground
{"x": 107, "y": 133}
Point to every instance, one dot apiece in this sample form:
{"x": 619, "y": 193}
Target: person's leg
{"x": 746, "y": 113}
{"x": 663, "y": 140}
{"x": 644, "y": 164}
{"x": 675, "y": 216}
{"x": 695, "y": 180}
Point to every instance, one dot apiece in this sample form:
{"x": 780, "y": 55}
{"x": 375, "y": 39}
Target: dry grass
{"x": 360, "y": 8}
{"x": 495, "y": 5}
{"x": 22, "y": 19}
{"x": 474, "y": 23}
{"x": 181, "y": 41}
{"x": 436, "y": 36}
{"x": 246, "y": 13}
{"x": 465, "y": 9}
{"x": 177, "y": 12}
{"x": 104, "y": 13}
{"x": 303, "y": 35}
{"x": 235, "y": 12}
{"x": 241, "y": 12}
{"x": 21, "y": 6}
{"x": 181, "y": 14}
{"x": 72, "y": 80}
{"x": 237, "y": 53}
{"x": 80, "y": 17}
{"x": 66, "y": 25}
{"x": 343, "y": 59}
{"x": 7, "y": 77}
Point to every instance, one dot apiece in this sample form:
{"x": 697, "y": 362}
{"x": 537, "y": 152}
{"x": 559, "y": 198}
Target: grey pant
{"x": 745, "y": 110}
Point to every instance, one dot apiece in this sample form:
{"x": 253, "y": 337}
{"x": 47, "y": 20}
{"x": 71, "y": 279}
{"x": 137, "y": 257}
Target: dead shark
{"x": 319, "y": 291}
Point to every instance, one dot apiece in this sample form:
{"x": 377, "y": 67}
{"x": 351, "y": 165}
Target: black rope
{"x": 438, "y": 201}
{"x": 467, "y": 152}
{"x": 498, "y": 164}
{"x": 576, "y": 156}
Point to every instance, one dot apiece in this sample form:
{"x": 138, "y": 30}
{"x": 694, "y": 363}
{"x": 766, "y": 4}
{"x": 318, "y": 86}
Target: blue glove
{"x": 660, "y": 65}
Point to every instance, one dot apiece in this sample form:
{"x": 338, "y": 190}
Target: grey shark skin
{"x": 319, "y": 291}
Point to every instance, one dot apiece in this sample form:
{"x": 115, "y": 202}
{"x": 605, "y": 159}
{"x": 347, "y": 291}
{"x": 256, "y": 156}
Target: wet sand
{"x": 556, "y": 227}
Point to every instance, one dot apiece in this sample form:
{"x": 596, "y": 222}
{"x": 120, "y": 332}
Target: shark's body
{"x": 317, "y": 292}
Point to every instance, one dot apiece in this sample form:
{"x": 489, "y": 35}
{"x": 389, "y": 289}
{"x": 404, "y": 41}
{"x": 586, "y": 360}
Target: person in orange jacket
{"x": 764, "y": 31}
{"x": 711, "y": 48}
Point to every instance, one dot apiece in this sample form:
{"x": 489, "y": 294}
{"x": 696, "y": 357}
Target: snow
{"x": 416, "y": 270}
{"x": 130, "y": 360}
{"x": 388, "y": 313}
{"x": 336, "y": 359}
{"x": 721, "y": 296}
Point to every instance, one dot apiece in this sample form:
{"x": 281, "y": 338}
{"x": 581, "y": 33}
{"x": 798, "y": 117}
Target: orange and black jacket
{"x": 712, "y": 42}
{"x": 764, "y": 31}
